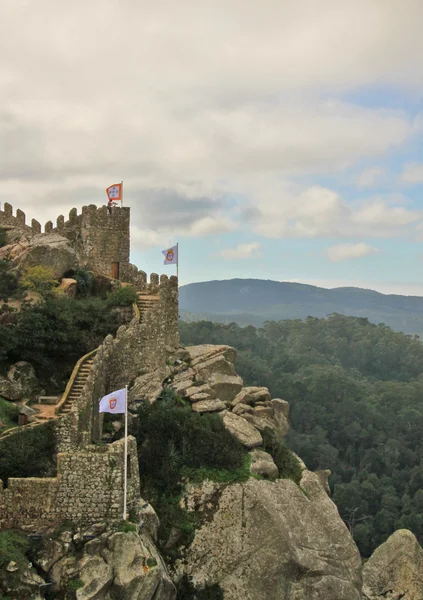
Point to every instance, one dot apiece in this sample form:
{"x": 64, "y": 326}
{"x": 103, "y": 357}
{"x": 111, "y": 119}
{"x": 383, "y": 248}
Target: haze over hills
{"x": 253, "y": 301}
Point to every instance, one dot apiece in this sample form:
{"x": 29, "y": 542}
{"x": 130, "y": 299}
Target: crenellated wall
{"x": 99, "y": 238}
{"x": 18, "y": 221}
{"x": 88, "y": 488}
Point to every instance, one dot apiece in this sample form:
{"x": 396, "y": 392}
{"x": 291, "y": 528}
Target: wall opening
{"x": 115, "y": 270}
{"x": 128, "y": 468}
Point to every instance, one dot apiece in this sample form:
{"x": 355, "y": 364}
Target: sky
{"x": 276, "y": 140}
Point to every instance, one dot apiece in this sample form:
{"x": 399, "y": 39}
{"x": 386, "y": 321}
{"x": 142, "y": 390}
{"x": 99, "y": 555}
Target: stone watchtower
{"x": 101, "y": 240}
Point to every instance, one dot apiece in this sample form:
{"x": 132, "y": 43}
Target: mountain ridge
{"x": 253, "y": 301}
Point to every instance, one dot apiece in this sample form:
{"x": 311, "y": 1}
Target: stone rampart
{"x": 138, "y": 348}
{"x": 88, "y": 488}
{"x": 18, "y": 221}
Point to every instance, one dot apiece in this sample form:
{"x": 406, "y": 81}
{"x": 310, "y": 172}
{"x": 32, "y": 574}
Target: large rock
{"x": 10, "y": 390}
{"x": 96, "y": 575}
{"x": 243, "y": 431}
{"x": 23, "y": 375}
{"x": 199, "y": 354}
{"x": 252, "y": 395}
{"x": 226, "y": 387}
{"x": 262, "y": 464}
{"x": 68, "y": 287}
{"x": 47, "y": 249}
{"x": 204, "y": 406}
{"x": 148, "y": 386}
{"x": 395, "y": 569}
{"x": 139, "y": 573}
{"x": 272, "y": 541}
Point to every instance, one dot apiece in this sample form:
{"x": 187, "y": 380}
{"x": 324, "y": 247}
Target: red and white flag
{"x": 114, "y": 192}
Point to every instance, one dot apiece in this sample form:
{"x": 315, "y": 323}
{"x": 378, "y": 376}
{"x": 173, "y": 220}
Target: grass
{"x": 9, "y": 413}
{"x": 219, "y": 475}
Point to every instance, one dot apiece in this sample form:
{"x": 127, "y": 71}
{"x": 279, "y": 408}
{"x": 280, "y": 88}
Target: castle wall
{"x": 88, "y": 488}
{"x": 138, "y": 348}
{"x": 99, "y": 238}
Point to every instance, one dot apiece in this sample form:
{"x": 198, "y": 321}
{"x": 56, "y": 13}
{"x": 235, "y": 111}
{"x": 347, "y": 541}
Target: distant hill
{"x": 253, "y": 301}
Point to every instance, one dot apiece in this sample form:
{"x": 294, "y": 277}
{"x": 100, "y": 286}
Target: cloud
{"x": 241, "y": 251}
{"x": 412, "y": 173}
{"x": 348, "y": 251}
{"x": 370, "y": 177}
{"x": 202, "y": 107}
{"x": 284, "y": 210}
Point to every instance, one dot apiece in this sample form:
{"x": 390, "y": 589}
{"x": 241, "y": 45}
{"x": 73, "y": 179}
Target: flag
{"x": 114, "y": 403}
{"x": 171, "y": 255}
{"x": 114, "y": 192}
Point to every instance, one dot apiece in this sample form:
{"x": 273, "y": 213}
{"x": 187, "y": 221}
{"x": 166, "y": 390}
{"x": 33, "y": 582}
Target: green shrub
{"x": 288, "y": 465}
{"x": 124, "y": 296}
{"x": 74, "y": 584}
{"x": 175, "y": 442}
{"x": 13, "y": 546}
{"x": 29, "y": 453}
{"x": 9, "y": 413}
{"x": 186, "y": 591}
{"x": 84, "y": 280}
{"x": 9, "y": 286}
{"x": 126, "y": 527}
{"x": 39, "y": 278}
{"x": 3, "y": 238}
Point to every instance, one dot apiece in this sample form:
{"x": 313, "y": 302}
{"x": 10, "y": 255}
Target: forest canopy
{"x": 355, "y": 391}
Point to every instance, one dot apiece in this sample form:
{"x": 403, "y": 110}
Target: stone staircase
{"x": 146, "y": 302}
{"x": 76, "y": 383}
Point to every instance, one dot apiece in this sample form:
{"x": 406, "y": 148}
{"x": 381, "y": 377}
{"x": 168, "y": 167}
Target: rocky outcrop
{"x": 22, "y": 374}
{"x": 273, "y": 541}
{"x": 395, "y": 569}
{"x": 97, "y": 564}
{"x": 67, "y": 287}
{"x": 47, "y": 249}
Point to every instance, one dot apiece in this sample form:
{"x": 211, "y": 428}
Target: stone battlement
{"x": 88, "y": 488}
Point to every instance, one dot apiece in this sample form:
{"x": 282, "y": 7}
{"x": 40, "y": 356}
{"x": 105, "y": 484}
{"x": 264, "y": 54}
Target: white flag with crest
{"x": 171, "y": 255}
{"x": 114, "y": 403}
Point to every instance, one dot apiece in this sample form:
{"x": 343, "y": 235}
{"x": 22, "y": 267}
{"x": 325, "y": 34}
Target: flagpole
{"x": 125, "y": 472}
{"x": 121, "y": 199}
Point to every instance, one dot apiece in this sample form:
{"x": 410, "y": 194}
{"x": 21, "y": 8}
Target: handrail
{"x": 136, "y": 311}
{"x": 72, "y": 378}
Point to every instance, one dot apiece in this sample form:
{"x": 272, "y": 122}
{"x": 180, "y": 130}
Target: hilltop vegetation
{"x": 355, "y": 392}
{"x": 52, "y": 331}
{"x": 254, "y": 301}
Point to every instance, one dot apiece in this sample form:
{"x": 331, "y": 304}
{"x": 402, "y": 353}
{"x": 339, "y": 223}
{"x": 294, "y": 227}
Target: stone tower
{"x": 101, "y": 240}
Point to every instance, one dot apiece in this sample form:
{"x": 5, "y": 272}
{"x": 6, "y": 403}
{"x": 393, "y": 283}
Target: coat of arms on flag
{"x": 114, "y": 402}
{"x": 171, "y": 255}
{"x": 114, "y": 192}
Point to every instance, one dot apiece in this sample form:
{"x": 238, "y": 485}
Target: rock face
{"x": 50, "y": 250}
{"x": 105, "y": 564}
{"x": 23, "y": 375}
{"x": 68, "y": 287}
{"x": 395, "y": 569}
{"x": 273, "y": 541}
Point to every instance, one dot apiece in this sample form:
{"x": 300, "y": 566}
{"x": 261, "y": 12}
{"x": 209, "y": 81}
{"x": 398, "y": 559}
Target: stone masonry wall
{"x": 88, "y": 488}
{"x": 18, "y": 221}
{"x": 99, "y": 238}
{"x": 138, "y": 348}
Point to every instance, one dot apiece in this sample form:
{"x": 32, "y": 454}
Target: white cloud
{"x": 370, "y": 177}
{"x": 191, "y": 103}
{"x": 241, "y": 251}
{"x": 282, "y": 210}
{"x": 347, "y": 251}
{"x": 413, "y": 173}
